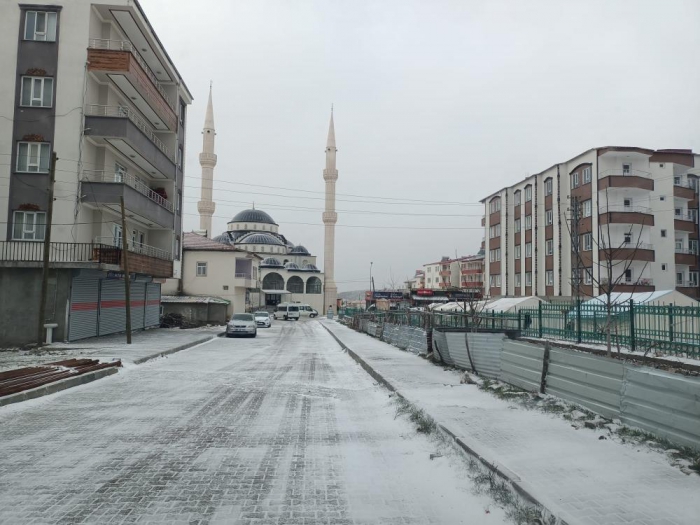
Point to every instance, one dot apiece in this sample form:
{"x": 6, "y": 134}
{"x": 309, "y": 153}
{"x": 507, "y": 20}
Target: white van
{"x": 287, "y": 311}
{"x": 307, "y": 311}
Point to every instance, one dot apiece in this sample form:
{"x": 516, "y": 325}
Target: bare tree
{"x": 615, "y": 261}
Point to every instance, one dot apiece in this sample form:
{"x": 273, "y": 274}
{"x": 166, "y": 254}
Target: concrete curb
{"x": 142, "y": 360}
{"x": 493, "y": 466}
{"x": 57, "y": 386}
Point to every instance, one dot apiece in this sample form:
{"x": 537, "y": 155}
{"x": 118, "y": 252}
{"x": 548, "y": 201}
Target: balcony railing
{"x": 136, "y": 247}
{"x": 623, "y": 282}
{"x": 632, "y": 245}
{"x": 59, "y": 252}
{"x": 615, "y": 208}
{"x": 131, "y": 181}
{"x": 690, "y": 251}
{"x": 684, "y": 216}
{"x": 126, "y": 45}
{"x": 686, "y": 284}
{"x": 243, "y": 276}
{"x": 624, "y": 173}
{"x": 97, "y": 110}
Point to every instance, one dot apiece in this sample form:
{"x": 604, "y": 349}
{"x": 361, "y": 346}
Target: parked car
{"x": 242, "y": 324}
{"x": 287, "y": 311}
{"x": 307, "y": 311}
{"x": 263, "y": 319}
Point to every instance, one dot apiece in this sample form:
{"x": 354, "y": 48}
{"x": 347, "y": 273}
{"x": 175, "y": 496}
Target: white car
{"x": 263, "y": 319}
{"x": 242, "y": 324}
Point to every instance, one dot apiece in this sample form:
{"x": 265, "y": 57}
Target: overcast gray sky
{"x": 436, "y": 101}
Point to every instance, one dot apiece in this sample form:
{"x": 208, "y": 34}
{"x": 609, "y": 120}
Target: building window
{"x": 693, "y": 278}
{"x": 517, "y": 251}
{"x": 586, "y": 175}
{"x": 516, "y": 198}
{"x": 517, "y": 225}
{"x": 33, "y": 157}
{"x": 495, "y": 205}
{"x": 528, "y": 193}
{"x": 693, "y": 246}
{"x": 663, "y": 233}
{"x": 528, "y": 250}
{"x": 29, "y": 226}
{"x": 495, "y": 231}
{"x": 679, "y": 245}
{"x": 495, "y": 281}
{"x": 183, "y": 108}
{"x": 587, "y": 208}
{"x": 177, "y": 248}
{"x": 179, "y": 204}
{"x": 528, "y": 279}
{"x": 201, "y": 269}
{"x": 549, "y": 218}
{"x": 549, "y": 277}
{"x": 664, "y": 267}
{"x": 179, "y": 157}
{"x": 548, "y": 187}
{"x": 495, "y": 255}
{"x": 587, "y": 242}
{"x": 37, "y": 92}
{"x": 518, "y": 280}
{"x": 528, "y": 222}
{"x": 626, "y": 169}
{"x": 679, "y": 278}
{"x": 679, "y": 212}
{"x": 550, "y": 246}
{"x": 588, "y": 276}
{"x": 628, "y": 238}
{"x": 40, "y": 26}
{"x": 574, "y": 180}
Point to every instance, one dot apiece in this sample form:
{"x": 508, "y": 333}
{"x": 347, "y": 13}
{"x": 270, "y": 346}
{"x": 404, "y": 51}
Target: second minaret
{"x": 207, "y": 159}
{"x": 330, "y": 217}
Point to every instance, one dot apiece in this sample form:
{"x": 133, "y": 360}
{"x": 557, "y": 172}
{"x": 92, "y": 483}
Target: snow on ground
{"x": 579, "y": 477}
{"x": 107, "y": 348}
{"x": 283, "y": 429}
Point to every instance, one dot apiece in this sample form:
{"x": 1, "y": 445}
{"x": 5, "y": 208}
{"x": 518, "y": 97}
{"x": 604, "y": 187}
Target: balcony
{"x": 105, "y": 188}
{"x": 445, "y": 273}
{"x": 640, "y": 285}
{"x": 619, "y": 178}
{"x": 120, "y": 62}
{"x": 629, "y": 252}
{"x": 621, "y": 214}
{"x": 244, "y": 280}
{"x": 684, "y": 190}
{"x": 128, "y": 132}
{"x": 686, "y": 256}
{"x": 143, "y": 258}
{"x": 445, "y": 285}
{"x": 684, "y": 221}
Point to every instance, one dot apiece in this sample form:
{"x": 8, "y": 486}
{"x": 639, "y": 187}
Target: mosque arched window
{"x": 273, "y": 281}
{"x": 295, "y": 284}
{"x": 313, "y": 285}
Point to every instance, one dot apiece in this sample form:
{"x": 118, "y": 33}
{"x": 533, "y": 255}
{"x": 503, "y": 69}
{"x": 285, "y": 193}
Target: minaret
{"x": 207, "y": 159}
{"x": 330, "y": 217}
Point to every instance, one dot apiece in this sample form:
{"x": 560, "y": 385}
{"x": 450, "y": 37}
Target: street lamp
{"x": 371, "y": 296}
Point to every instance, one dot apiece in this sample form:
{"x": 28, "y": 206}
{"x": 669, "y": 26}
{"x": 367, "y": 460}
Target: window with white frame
{"x": 680, "y": 277}
{"x": 495, "y": 231}
{"x": 495, "y": 255}
{"x": 587, "y": 208}
{"x": 626, "y": 169}
{"x": 574, "y": 180}
{"x": 517, "y": 251}
{"x": 679, "y": 212}
{"x": 528, "y": 193}
{"x": 33, "y": 157}
{"x": 549, "y": 217}
{"x": 29, "y": 225}
{"x": 518, "y": 280}
{"x": 587, "y": 242}
{"x": 548, "y": 187}
{"x": 201, "y": 269}
{"x": 663, "y": 233}
{"x": 528, "y": 222}
{"x": 528, "y": 278}
{"x": 119, "y": 172}
{"x": 516, "y": 198}
{"x": 495, "y": 205}
{"x": 693, "y": 246}
{"x": 628, "y": 238}
{"x": 550, "y": 246}
{"x": 40, "y": 26}
{"x": 517, "y": 225}
{"x": 37, "y": 92}
{"x": 528, "y": 250}
{"x": 693, "y": 278}
{"x": 495, "y": 281}
{"x": 588, "y": 276}
{"x": 586, "y": 175}
{"x": 679, "y": 244}
{"x": 549, "y": 277}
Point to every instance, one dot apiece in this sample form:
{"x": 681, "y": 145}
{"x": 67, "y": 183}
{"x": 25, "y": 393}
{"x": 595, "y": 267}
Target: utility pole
{"x": 127, "y": 280}
{"x": 47, "y": 246}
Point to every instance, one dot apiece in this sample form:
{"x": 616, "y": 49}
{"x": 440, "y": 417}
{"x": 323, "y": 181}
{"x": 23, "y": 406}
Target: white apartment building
{"x": 441, "y": 275}
{"x": 90, "y": 81}
{"x": 637, "y": 208}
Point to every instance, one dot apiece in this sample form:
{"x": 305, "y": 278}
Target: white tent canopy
{"x": 512, "y": 304}
{"x": 621, "y": 301}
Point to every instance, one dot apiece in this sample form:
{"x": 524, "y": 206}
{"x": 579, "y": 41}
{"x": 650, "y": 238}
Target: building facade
{"x": 620, "y": 217}
{"x": 91, "y": 82}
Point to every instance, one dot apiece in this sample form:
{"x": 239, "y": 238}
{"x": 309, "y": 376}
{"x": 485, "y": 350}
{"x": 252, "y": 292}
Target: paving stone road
{"x": 282, "y": 429}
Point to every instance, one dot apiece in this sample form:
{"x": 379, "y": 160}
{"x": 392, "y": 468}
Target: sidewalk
{"x": 576, "y": 475}
{"x": 145, "y": 345}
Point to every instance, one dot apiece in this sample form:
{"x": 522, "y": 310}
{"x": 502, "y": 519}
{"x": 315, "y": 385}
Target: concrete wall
{"x": 20, "y": 289}
{"x": 199, "y": 314}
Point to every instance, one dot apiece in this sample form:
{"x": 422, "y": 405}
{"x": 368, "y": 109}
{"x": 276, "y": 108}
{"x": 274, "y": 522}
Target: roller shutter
{"x": 152, "y": 304}
{"x": 112, "y": 307}
{"x": 138, "y": 304}
{"x": 84, "y": 298}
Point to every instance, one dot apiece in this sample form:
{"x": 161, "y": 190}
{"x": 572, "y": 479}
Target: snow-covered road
{"x": 284, "y": 428}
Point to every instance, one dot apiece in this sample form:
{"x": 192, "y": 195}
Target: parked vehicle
{"x": 263, "y": 319}
{"x": 242, "y": 324}
{"x": 287, "y": 311}
{"x": 306, "y": 311}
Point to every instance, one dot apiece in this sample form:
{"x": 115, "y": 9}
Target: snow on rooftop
{"x": 193, "y": 299}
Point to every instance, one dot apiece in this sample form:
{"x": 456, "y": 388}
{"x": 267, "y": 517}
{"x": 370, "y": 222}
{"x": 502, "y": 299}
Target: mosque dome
{"x": 224, "y": 238}
{"x": 253, "y": 216}
{"x": 271, "y": 262}
{"x": 259, "y": 238}
{"x": 310, "y": 268}
{"x": 292, "y": 266}
{"x": 299, "y": 250}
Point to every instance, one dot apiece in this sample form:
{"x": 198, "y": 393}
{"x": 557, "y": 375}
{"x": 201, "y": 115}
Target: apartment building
{"x": 442, "y": 275}
{"x": 637, "y": 213}
{"x": 471, "y": 269}
{"x": 92, "y": 82}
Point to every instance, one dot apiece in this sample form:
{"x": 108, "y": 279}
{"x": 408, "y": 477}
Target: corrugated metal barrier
{"x": 521, "y": 364}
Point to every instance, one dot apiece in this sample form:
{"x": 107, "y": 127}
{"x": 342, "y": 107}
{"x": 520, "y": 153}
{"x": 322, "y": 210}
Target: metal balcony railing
{"x": 243, "y": 276}
{"x": 689, "y": 251}
{"x": 619, "y": 172}
{"x": 632, "y": 245}
{"x": 126, "y": 45}
{"x": 59, "y": 252}
{"x": 614, "y": 208}
{"x": 684, "y": 216}
{"x": 137, "y": 247}
{"x": 131, "y": 181}
{"x": 643, "y": 281}
{"x": 97, "y": 110}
